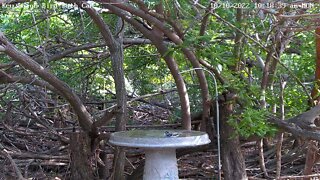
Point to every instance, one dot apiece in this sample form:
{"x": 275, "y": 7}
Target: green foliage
{"x": 252, "y": 122}
{"x": 146, "y": 71}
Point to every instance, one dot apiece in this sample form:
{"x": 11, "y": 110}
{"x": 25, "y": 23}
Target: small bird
{"x": 169, "y": 134}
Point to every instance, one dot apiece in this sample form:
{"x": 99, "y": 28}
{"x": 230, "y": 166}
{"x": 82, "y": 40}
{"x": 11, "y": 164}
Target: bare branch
{"x": 299, "y": 16}
{"x": 5, "y": 153}
{"x": 6, "y": 78}
{"x": 27, "y": 62}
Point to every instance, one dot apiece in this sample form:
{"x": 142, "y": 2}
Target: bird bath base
{"x": 160, "y": 164}
{"x": 160, "y": 148}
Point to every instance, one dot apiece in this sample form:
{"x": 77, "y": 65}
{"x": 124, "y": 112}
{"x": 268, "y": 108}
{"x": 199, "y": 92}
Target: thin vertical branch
{"x": 280, "y": 136}
{"x": 261, "y": 158}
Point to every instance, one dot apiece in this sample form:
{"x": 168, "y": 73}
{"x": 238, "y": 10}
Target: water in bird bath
{"x": 159, "y": 138}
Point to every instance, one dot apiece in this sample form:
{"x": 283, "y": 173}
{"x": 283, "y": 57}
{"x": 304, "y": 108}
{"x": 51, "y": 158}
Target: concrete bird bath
{"x": 160, "y": 148}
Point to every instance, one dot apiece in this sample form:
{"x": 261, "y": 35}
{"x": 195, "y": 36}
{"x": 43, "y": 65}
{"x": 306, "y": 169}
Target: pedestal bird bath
{"x": 160, "y": 148}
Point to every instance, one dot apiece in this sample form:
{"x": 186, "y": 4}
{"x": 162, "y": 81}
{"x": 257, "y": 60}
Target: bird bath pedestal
{"x": 160, "y": 148}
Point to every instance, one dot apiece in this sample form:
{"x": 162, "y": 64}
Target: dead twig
{"x": 4, "y": 153}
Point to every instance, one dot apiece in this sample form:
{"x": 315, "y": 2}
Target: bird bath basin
{"x": 160, "y": 148}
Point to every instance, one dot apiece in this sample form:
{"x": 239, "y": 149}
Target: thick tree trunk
{"x": 315, "y": 90}
{"x": 313, "y": 146}
{"x": 115, "y": 46}
{"x": 311, "y": 158}
{"x": 181, "y": 87}
{"x": 203, "y": 87}
{"x": 81, "y": 156}
{"x": 233, "y": 165}
{"x": 121, "y": 118}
